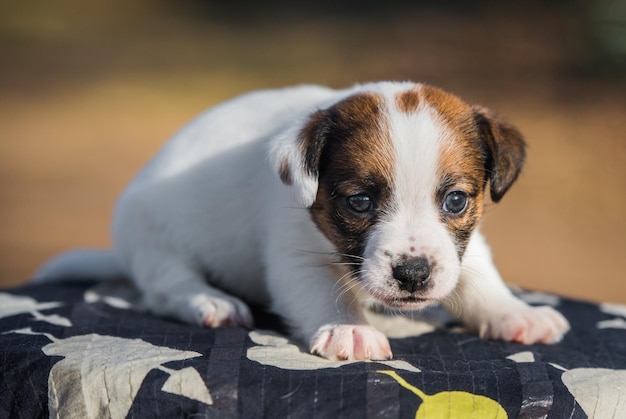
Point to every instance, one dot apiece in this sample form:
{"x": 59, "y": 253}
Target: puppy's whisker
{"x": 472, "y": 285}
{"x": 330, "y": 264}
{"x": 333, "y": 263}
{"x": 346, "y": 288}
{"x": 343, "y": 264}
{"x": 455, "y": 307}
{"x": 341, "y": 283}
{"x": 314, "y": 252}
{"x": 338, "y": 255}
{"x": 349, "y": 256}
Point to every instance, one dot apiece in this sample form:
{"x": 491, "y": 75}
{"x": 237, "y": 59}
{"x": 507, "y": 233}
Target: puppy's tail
{"x": 82, "y": 264}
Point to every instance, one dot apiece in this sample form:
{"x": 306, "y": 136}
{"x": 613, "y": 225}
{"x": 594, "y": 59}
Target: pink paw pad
{"x": 351, "y": 342}
{"x": 216, "y": 311}
{"x": 528, "y": 326}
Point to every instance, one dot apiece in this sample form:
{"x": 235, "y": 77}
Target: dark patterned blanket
{"x": 71, "y": 351}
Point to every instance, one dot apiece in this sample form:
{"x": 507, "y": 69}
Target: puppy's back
{"x": 200, "y": 201}
{"x": 244, "y": 119}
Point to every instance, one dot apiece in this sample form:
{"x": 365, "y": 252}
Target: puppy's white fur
{"x": 209, "y": 223}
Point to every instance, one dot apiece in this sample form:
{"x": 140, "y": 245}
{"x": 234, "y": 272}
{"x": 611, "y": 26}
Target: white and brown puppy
{"x": 313, "y": 200}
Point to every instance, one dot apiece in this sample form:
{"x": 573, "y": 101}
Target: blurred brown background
{"x": 90, "y": 90}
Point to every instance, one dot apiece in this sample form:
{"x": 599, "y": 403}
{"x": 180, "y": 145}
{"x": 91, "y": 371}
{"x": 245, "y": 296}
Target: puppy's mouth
{"x": 404, "y": 303}
{"x": 412, "y": 302}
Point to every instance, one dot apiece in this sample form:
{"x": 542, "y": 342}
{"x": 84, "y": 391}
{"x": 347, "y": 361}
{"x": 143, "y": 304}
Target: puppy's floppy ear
{"x": 506, "y": 151}
{"x": 295, "y": 155}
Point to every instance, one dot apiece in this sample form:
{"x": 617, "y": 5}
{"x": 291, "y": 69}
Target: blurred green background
{"x": 90, "y": 90}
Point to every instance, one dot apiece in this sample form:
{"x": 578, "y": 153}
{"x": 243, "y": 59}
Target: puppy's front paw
{"x": 217, "y": 311}
{"x": 350, "y": 342}
{"x": 528, "y": 325}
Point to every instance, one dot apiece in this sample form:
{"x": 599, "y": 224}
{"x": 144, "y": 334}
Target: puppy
{"x": 313, "y": 201}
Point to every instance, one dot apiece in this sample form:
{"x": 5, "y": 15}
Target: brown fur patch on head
{"x": 408, "y": 101}
{"x": 502, "y": 144}
{"x": 462, "y": 162}
{"x": 357, "y": 158}
{"x": 451, "y": 108}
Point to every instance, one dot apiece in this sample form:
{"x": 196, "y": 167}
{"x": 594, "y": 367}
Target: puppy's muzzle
{"x": 412, "y": 274}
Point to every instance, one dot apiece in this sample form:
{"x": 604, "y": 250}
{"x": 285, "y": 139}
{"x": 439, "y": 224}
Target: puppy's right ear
{"x": 506, "y": 151}
{"x": 296, "y": 152}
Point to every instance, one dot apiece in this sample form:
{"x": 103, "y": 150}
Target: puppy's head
{"x": 395, "y": 177}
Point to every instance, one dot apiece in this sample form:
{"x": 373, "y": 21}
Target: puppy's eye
{"x": 455, "y": 202}
{"x": 360, "y": 203}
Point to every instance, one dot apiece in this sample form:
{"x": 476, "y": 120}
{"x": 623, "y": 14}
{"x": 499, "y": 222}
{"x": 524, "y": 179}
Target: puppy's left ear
{"x": 506, "y": 151}
{"x": 295, "y": 155}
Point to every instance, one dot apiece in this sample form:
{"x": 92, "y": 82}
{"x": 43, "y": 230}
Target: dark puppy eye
{"x": 455, "y": 202}
{"x": 360, "y": 203}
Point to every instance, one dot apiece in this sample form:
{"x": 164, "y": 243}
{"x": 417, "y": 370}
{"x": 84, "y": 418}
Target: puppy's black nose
{"x": 412, "y": 274}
